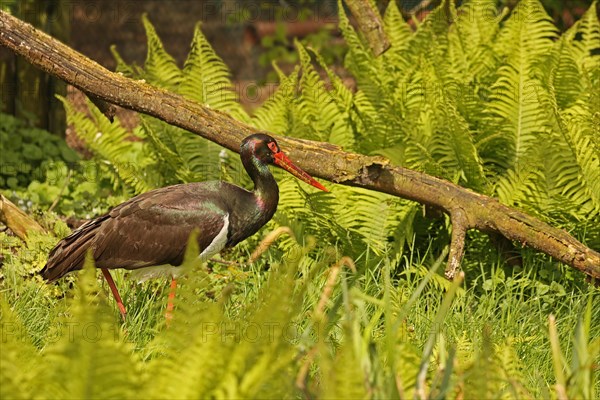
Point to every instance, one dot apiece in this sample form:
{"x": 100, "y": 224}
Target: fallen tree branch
{"x": 457, "y": 242}
{"x": 16, "y": 220}
{"x": 320, "y": 159}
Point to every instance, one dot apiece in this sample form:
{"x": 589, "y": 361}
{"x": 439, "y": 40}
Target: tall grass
{"x": 300, "y": 325}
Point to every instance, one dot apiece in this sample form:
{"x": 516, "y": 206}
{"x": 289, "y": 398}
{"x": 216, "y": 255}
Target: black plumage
{"x": 153, "y": 228}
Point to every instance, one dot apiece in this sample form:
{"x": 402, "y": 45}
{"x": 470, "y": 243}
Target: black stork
{"x": 150, "y": 231}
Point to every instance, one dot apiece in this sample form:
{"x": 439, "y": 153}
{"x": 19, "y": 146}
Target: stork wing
{"x": 150, "y": 229}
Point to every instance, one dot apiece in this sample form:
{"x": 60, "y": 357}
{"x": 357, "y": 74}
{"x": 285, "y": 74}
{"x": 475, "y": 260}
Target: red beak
{"x": 284, "y": 162}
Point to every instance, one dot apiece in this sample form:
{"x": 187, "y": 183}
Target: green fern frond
{"x": 571, "y": 162}
{"x": 206, "y": 79}
{"x": 430, "y": 40}
{"x": 322, "y": 109}
{"x": 160, "y": 69}
{"x": 482, "y": 378}
{"x": 378, "y": 219}
{"x": 163, "y": 145}
{"x": 371, "y": 220}
{"x": 341, "y": 94}
{"x": 453, "y": 148}
{"x": 434, "y": 26}
{"x": 512, "y": 371}
{"x": 308, "y": 213}
{"x": 317, "y": 109}
{"x": 191, "y": 157}
{"x": 561, "y": 73}
{"x": 370, "y": 72}
{"x": 94, "y": 350}
{"x": 120, "y": 156}
{"x": 418, "y": 149}
{"x": 342, "y": 132}
{"x": 382, "y": 85}
{"x": 192, "y": 367}
{"x": 526, "y": 34}
{"x": 20, "y": 373}
{"x": 344, "y": 377}
{"x": 471, "y": 38}
{"x": 397, "y": 30}
{"x": 514, "y": 101}
{"x": 586, "y": 159}
{"x": 584, "y": 36}
{"x": 399, "y": 34}
{"x": 210, "y": 353}
{"x": 359, "y": 59}
{"x": 276, "y": 351}
{"x": 519, "y": 184}
{"x": 124, "y": 68}
{"x": 273, "y": 114}
{"x": 519, "y": 115}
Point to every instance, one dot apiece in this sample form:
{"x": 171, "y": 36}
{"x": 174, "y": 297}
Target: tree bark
{"x": 370, "y": 24}
{"x": 467, "y": 209}
{"x": 16, "y": 220}
{"x": 27, "y": 92}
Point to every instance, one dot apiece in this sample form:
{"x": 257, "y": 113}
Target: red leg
{"x": 170, "y": 306}
{"x": 115, "y": 292}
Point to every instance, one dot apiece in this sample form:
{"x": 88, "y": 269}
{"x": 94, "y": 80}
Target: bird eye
{"x": 273, "y": 147}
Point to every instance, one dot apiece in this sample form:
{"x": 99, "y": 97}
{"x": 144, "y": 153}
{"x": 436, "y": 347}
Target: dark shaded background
{"x": 235, "y": 28}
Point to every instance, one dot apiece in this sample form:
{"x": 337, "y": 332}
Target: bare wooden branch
{"x": 320, "y": 159}
{"x": 109, "y": 110}
{"x": 371, "y": 25}
{"x": 457, "y": 242}
{"x": 16, "y": 220}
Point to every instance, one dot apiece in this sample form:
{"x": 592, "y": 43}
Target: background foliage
{"x": 496, "y": 102}
{"x": 25, "y": 150}
{"x": 40, "y": 173}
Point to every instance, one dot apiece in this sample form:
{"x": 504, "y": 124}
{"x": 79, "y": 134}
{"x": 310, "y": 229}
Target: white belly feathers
{"x": 163, "y": 271}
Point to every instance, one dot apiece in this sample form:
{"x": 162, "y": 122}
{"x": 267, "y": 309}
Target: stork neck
{"x": 266, "y": 190}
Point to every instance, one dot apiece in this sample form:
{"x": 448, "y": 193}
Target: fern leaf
{"x": 344, "y": 377}
{"x": 584, "y": 36}
{"x": 561, "y": 72}
{"x": 191, "y": 157}
{"x": 160, "y": 69}
{"x": 20, "y": 375}
{"x": 399, "y": 34}
{"x": 453, "y": 148}
{"x": 122, "y": 66}
{"x": 471, "y": 38}
{"x": 527, "y": 33}
{"x": 586, "y": 159}
{"x": 93, "y": 348}
{"x": 329, "y": 120}
{"x": 110, "y": 142}
{"x": 518, "y": 113}
{"x": 359, "y": 59}
{"x": 206, "y": 78}
{"x": 273, "y": 114}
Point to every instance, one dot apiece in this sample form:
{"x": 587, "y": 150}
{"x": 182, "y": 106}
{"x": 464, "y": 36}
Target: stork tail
{"x": 69, "y": 254}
